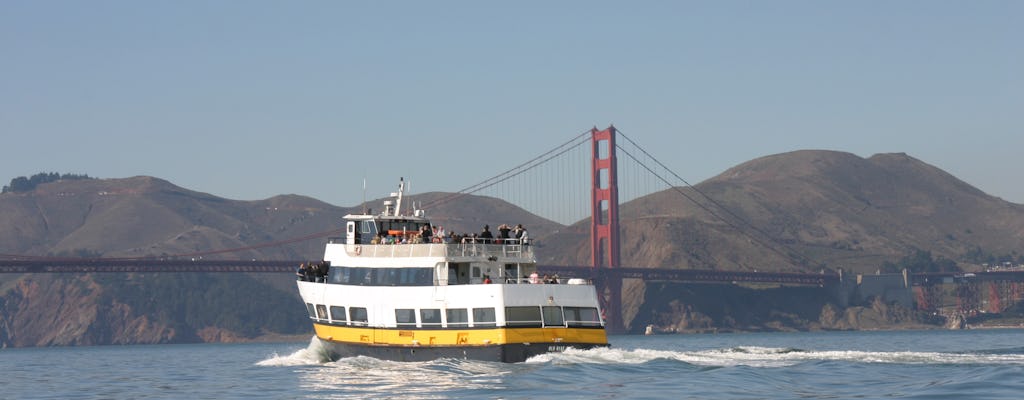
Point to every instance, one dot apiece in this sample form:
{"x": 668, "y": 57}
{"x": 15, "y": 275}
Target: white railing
{"x": 507, "y": 249}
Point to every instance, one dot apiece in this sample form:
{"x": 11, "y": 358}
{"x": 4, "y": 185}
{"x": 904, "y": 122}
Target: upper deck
{"x": 394, "y": 235}
{"x": 510, "y": 250}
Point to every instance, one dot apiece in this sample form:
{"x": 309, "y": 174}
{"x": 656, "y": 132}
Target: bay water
{"x": 969, "y": 364}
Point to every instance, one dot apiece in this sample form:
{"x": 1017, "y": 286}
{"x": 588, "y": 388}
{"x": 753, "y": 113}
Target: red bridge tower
{"x": 604, "y": 224}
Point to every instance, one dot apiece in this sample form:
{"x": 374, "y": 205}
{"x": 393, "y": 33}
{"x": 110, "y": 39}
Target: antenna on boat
{"x": 401, "y": 190}
{"x": 364, "y": 192}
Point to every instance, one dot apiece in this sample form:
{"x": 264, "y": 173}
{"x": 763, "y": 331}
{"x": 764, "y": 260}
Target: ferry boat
{"x": 420, "y": 299}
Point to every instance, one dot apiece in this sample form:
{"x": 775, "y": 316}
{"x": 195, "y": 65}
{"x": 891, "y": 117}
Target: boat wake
{"x": 768, "y": 357}
{"x": 750, "y": 356}
{"x": 313, "y": 354}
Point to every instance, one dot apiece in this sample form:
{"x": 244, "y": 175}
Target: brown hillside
{"x": 808, "y": 210}
{"x": 146, "y": 216}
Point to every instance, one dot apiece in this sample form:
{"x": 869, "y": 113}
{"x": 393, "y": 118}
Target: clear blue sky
{"x": 249, "y": 99}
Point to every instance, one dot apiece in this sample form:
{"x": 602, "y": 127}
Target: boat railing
{"x": 510, "y": 249}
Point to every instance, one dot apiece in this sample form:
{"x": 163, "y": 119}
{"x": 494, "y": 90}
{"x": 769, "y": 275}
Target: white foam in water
{"x": 769, "y": 357}
{"x": 752, "y": 356}
{"x": 313, "y": 354}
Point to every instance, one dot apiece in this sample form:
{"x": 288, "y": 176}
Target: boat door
{"x": 350, "y": 233}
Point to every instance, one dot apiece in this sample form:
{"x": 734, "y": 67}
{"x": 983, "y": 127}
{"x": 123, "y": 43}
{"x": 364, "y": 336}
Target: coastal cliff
{"x": 69, "y": 310}
{"x": 702, "y": 308}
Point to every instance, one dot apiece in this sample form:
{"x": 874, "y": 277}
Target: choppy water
{"x": 986, "y": 364}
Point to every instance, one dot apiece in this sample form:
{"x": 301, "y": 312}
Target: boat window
{"x": 355, "y": 275}
{"x": 553, "y": 316}
{"x": 511, "y": 273}
{"x": 321, "y": 311}
{"x": 336, "y": 275}
{"x": 582, "y": 316}
{"x": 405, "y": 317}
{"x": 430, "y": 318}
{"x": 522, "y": 316}
{"x": 457, "y": 317}
{"x": 387, "y": 277}
{"x": 358, "y": 315}
{"x": 368, "y": 231}
{"x": 483, "y": 317}
{"x": 417, "y": 277}
{"x": 399, "y": 226}
{"x": 311, "y": 310}
{"x": 476, "y": 272}
{"x": 338, "y": 314}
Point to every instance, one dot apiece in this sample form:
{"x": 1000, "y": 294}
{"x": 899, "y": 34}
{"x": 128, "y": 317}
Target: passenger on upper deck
{"x": 320, "y": 271}
{"x": 503, "y": 230}
{"x": 310, "y": 273}
{"x": 301, "y": 271}
{"x": 426, "y": 233}
{"x": 486, "y": 235}
{"x": 520, "y": 233}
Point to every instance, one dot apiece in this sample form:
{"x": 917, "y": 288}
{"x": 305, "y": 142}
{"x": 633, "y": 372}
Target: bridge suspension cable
{"x": 518, "y": 187}
{"x": 792, "y": 253}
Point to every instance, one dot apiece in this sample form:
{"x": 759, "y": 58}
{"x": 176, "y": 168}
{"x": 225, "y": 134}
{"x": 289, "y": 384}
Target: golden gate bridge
{"x": 588, "y": 163}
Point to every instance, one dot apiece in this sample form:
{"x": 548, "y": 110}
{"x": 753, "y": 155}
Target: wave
{"x": 768, "y": 357}
{"x": 314, "y": 354}
{"x": 1011, "y": 350}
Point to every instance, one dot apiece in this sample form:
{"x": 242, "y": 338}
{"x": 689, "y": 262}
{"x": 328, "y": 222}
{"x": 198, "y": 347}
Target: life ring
{"x": 359, "y": 250}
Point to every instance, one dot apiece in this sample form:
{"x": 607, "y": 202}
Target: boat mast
{"x": 398, "y": 202}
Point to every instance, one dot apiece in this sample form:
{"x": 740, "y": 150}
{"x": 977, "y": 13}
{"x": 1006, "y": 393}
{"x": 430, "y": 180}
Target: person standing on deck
{"x": 520, "y": 233}
{"x": 486, "y": 235}
{"x": 426, "y": 234}
{"x": 503, "y": 230}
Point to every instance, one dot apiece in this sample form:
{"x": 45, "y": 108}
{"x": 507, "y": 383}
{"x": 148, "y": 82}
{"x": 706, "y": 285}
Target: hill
{"x": 145, "y": 216}
{"x": 800, "y": 211}
{"x": 811, "y": 210}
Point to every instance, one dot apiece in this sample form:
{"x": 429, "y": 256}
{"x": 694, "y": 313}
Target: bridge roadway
{"x": 72, "y": 265}
{"x": 124, "y": 265}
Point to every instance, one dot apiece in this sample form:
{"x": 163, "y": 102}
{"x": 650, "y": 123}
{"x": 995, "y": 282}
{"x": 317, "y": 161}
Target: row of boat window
{"x": 382, "y": 276}
{"x": 528, "y": 316}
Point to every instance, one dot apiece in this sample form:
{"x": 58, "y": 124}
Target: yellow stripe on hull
{"x": 458, "y": 337}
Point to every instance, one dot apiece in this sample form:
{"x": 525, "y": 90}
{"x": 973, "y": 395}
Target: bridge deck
{"x": 71, "y": 265}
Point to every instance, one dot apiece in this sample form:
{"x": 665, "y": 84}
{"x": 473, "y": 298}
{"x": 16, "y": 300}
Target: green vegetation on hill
{"x": 23, "y": 184}
{"x": 921, "y": 261}
{"x": 978, "y": 256}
